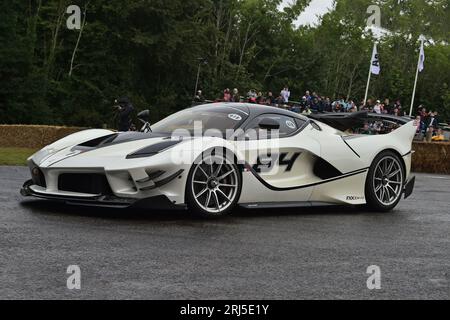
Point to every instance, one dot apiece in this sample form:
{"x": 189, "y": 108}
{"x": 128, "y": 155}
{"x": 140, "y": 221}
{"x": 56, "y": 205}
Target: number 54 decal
{"x": 265, "y": 163}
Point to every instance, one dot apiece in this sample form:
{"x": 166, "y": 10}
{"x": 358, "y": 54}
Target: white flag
{"x": 375, "y": 62}
{"x": 421, "y": 58}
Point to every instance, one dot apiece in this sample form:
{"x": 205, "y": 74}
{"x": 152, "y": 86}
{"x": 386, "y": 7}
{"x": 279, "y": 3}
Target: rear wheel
{"x": 213, "y": 186}
{"x": 384, "y": 185}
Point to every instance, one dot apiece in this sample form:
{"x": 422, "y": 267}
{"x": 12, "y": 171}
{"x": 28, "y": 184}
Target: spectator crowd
{"x": 428, "y": 122}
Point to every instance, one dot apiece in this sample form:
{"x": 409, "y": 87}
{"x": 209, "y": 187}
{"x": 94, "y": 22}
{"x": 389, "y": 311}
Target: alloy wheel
{"x": 388, "y": 180}
{"x": 214, "y": 184}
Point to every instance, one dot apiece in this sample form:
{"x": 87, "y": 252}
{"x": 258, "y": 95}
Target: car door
{"x": 279, "y": 161}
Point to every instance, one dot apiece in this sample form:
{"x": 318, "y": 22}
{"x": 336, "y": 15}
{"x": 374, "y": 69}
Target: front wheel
{"x": 213, "y": 186}
{"x": 384, "y": 185}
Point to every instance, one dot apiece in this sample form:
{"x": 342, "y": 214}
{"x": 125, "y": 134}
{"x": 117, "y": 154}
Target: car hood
{"x": 97, "y": 151}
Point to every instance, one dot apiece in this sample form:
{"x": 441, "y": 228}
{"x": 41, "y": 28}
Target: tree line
{"x": 150, "y": 50}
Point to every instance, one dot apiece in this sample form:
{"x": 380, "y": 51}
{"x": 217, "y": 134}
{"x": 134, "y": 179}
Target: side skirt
{"x": 271, "y": 205}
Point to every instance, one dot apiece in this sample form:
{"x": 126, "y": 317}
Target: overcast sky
{"x": 316, "y": 8}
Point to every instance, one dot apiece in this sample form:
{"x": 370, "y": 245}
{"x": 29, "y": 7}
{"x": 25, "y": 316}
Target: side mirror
{"x": 269, "y": 124}
{"x": 144, "y": 116}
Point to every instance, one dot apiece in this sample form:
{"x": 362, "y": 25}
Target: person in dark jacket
{"x": 431, "y": 125}
{"x": 125, "y": 109}
{"x": 315, "y": 105}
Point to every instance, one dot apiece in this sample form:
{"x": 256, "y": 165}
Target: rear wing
{"x": 350, "y": 121}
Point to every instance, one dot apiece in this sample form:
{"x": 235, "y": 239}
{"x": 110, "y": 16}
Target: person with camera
{"x": 124, "y": 108}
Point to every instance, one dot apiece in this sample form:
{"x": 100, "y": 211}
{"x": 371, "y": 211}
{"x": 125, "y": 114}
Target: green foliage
{"x": 15, "y": 156}
{"x": 149, "y": 50}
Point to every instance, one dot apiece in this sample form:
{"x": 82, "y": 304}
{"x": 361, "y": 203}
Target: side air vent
{"x": 324, "y": 170}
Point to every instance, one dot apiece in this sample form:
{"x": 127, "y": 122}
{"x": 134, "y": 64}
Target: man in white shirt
{"x": 377, "y": 108}
{"x": 431, "y": 124}
{"x": 285, "y": 93}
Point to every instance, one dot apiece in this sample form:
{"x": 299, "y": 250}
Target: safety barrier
{"x": 431, "y": 157}
{"x": 32, "y": 136}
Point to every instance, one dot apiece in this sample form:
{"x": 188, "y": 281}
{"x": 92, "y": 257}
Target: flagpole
{"x": 417, "y": 76}
{"x": 368, "y": 83}
{"x": 370, "y": 73}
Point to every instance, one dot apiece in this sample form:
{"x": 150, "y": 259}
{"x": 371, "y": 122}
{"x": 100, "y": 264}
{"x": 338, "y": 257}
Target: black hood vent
{"x": 116, "y": 138}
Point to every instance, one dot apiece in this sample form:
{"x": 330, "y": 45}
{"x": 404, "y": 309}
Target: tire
{"x": 214, "y": 185}
{"x": 385, "y": 181}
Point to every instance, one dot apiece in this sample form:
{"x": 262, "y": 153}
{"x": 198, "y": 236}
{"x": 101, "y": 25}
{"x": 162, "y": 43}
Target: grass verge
{"x": 15, "y": 156}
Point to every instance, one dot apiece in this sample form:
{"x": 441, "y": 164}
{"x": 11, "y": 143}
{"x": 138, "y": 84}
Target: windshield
{"x": 218, "y": 118}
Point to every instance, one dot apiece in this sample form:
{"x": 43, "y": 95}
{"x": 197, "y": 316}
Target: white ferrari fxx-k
{"x": 213, "y": 157}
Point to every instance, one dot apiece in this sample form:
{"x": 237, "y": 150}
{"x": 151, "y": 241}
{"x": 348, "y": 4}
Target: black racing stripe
{"x": 350, "y": 147}
{"x": 273, "y": 188}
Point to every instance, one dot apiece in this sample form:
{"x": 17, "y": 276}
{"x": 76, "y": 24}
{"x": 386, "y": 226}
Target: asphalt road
{"x": 272, "y": 254}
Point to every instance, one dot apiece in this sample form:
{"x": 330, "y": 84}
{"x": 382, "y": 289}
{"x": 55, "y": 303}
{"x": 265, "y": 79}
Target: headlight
{"x": 153, "y": 149}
